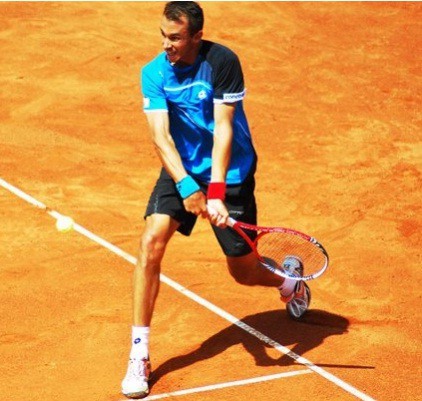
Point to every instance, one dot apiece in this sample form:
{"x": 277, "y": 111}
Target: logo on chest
{"x": 202, "y": 95}
{"x": 190, "y": 93}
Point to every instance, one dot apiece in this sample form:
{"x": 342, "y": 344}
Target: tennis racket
{"x": 273, "y": 244}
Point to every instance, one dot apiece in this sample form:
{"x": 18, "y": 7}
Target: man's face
{"x": 180, "y": 46}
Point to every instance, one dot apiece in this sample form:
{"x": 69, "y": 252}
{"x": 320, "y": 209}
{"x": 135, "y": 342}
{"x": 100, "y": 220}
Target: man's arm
{"x": 166, "y": 149}
{"x": 223, "y": 137}
{"x": 164, "y": 145}
{"x": 221, "y": 155}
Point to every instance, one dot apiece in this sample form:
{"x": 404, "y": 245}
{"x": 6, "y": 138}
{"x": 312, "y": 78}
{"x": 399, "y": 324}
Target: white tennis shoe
{"x": 297, "y": 303}
{"x": 135, "y": 384}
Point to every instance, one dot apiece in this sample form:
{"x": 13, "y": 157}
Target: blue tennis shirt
{"x": 188, "y": 95}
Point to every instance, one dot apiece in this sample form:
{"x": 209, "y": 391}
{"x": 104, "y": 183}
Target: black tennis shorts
{"x": 240, "y": 202}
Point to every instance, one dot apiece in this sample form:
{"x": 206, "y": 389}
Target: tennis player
{"x": 193, "y": 93}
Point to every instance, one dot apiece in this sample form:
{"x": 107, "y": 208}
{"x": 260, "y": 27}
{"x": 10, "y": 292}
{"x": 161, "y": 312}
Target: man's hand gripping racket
{"x": 273, "y": 244}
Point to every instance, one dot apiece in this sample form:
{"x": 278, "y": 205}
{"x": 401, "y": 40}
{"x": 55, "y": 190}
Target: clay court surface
{"x": 334, "y": 95}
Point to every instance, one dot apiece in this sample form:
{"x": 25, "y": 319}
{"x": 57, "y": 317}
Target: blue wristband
{"x": 187, "y": 186}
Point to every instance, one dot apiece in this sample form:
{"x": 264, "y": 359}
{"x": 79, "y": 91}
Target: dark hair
{"x": 174, "y": 10}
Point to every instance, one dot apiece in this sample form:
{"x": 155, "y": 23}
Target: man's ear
{"x": 198, "y": 36}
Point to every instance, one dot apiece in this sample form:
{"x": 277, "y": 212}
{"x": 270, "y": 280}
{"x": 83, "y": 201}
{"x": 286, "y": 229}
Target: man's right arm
{"x": 165, "y": 147}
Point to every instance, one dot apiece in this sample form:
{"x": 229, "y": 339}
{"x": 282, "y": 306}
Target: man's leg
{"x": 159, "y": 228}
{"x": 158, "y": 231}
{"x": 296, "y": 294}
{"x": 247, "y": 271}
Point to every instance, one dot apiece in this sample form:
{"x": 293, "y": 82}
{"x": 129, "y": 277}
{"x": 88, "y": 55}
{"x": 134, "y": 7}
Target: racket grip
{"x": 230, "y": 221}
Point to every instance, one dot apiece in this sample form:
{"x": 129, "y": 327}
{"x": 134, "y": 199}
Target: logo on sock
{"x": 137, "y": 341}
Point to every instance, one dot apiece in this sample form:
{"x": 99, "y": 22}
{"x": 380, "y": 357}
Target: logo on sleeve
{"x": 147, "y": 102}
{"x": 233, "y": 97}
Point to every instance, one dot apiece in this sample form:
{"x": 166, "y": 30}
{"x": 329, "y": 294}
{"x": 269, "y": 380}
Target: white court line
{"x": 220, "y": 312}
{"x": 226, "y": 385}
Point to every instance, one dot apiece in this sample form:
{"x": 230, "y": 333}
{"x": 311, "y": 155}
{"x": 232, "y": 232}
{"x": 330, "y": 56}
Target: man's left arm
{"x": 221, "y": 155}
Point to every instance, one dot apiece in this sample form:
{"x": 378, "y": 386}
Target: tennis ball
{"x": 64, "y": 224}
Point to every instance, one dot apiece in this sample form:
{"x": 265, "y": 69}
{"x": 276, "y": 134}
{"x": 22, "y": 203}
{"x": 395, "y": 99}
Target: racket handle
{"x": 230, "y": 221}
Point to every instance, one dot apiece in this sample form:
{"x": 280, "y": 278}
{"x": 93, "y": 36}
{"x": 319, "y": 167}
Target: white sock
{"x": 140, "y": 340}
{"x": 287, "y": 287}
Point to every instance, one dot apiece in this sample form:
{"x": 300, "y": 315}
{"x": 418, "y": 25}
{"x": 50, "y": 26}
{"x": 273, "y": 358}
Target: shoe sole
{"x": 136, "y": 396}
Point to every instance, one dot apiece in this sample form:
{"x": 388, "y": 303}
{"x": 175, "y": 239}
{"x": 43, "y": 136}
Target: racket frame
{"x": 239, "y": 227}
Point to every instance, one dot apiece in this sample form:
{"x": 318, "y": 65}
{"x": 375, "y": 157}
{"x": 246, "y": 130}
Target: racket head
{"x": 273, "y": 245}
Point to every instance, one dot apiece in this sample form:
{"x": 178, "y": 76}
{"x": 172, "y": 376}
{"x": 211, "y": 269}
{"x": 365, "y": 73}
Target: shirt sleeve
{"x": 228, "y": 79}
{"x": 152, "y": 91}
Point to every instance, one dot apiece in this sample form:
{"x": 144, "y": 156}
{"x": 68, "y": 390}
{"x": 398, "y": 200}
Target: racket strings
{"x": 274, "y": 247}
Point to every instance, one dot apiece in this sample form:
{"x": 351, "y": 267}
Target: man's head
{"x": 175, "y": 10}
{"x": 181, "y": 29}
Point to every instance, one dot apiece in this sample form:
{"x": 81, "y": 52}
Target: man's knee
{"x": 244, "y": 278}
{"x": 153, "y": 242}
{"x": 158, "y": 231}
{"x": 243, "y": 269}
{"x": 156, "y": 235}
